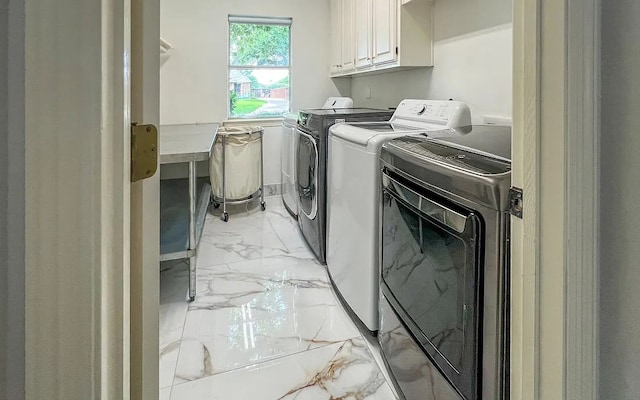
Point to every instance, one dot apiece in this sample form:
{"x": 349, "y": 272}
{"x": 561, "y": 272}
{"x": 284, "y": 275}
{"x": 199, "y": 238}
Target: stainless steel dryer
{"x": 445, "y": 258}
{"x": 311, "y": 167}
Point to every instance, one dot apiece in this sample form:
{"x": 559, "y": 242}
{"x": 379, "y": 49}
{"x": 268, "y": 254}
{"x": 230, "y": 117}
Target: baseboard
{"x": 274, "y": 189}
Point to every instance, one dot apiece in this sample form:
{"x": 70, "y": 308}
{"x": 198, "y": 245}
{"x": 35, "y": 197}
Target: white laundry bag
{"x": 242, "y": 160}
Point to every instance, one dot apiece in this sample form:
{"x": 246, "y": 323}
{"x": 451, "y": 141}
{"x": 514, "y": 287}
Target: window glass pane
{"x": 258, "y": 93}
{"x": 258, "y": 45}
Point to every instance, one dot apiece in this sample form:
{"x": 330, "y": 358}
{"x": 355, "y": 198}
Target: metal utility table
{"x": 184, "y": 202}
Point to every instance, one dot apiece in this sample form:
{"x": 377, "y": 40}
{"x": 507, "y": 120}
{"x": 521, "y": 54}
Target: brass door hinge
{"x": 144, "y": 151}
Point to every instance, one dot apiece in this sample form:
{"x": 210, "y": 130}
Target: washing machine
{"x": 311, "y": 168}
{"x": 353, "y": 182}
{"x": 289, "y": 122}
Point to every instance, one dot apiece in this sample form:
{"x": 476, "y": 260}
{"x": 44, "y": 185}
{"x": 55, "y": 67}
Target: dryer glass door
{"x": 307, "y": 174}
{"x": 430, "y": 276}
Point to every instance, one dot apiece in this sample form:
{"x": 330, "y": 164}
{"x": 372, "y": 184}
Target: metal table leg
{"x": 263, "y": 205}
{"x": 192, "y": 229}
{"x": 225, "y": 215}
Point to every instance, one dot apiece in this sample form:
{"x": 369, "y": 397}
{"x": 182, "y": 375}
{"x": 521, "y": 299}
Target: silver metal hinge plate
{"x": 516, "y": 202}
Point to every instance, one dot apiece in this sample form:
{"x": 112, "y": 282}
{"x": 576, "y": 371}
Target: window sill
{"x": 266, "y": 122}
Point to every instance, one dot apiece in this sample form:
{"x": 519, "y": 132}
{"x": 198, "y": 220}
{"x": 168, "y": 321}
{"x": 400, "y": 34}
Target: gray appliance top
{"x": 490, "y": 140}
{"x": 472, "y": 162}
{"x": 338, "y": 112}
{"x": 388, "y": 127}
{"x": 484, "y": 149}
{"x": 318, "y": 121}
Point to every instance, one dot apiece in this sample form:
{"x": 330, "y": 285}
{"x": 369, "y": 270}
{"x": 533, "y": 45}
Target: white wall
{"x": 472, "y": 62}
{"x": 12, "y": 200}
{"x": 620, "y": 197}
{"x": 193, "y": 85}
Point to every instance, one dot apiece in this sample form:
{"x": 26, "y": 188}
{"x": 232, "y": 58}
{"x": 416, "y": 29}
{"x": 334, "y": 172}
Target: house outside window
{"x": 259, "y": 67}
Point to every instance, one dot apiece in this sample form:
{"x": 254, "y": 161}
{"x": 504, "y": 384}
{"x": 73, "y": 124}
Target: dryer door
{"x": 430, "y": 276}
{"x": 307, "y": 174}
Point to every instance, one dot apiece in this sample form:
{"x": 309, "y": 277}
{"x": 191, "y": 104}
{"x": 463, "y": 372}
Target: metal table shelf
{"x": 174, "y": 216}
{"x": 185, "y": 144}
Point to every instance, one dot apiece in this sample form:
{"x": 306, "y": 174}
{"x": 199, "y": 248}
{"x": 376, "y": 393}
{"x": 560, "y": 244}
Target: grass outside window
{"x": 247, "y": 106}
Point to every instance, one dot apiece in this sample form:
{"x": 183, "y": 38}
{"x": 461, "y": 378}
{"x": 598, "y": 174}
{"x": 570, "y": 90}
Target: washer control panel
{"x": 447, "y": 113}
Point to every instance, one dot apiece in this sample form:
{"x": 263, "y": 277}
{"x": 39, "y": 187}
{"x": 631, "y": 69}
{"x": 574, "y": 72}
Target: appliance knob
{"x": 422, "y": 110}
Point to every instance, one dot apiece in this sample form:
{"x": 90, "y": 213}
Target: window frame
{"x": 255, "y": 20}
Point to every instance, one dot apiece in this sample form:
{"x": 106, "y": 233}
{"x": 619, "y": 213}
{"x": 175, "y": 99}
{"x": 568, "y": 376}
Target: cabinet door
{"x": 384, "y": 31}
{"x": 363, "y": 33}
{"x": 348, "y": 40}
{"x": 336, "y": 36}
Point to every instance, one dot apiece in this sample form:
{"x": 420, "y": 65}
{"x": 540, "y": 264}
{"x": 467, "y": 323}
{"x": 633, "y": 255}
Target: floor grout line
{"x": 275, "y": 358}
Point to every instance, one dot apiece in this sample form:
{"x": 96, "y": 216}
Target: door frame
{"x": 12, "y": 200}
{"x": 77, "y": 196}
{"x": 554, "y": 276}
{"x": 145, "y": 206}
{"x": 67, "y": 70}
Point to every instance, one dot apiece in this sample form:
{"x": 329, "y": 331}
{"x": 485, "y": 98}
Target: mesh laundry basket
{"x": 235, "y": 167}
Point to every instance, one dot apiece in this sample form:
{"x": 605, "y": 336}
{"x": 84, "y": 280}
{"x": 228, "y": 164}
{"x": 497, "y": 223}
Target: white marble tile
{"x": 343, "y": 370}
{"x": 173, "y": 310}
{"x": 256, "y": 310}
{"x": 286, "y": 227}
{"x": 239, "y": 345}
{"x": 169, "y": 352}
{"x": 231, "y": 285}
{"x": 246, "y": 236}
{"x": 265, "y": 323}
{"x": 165, "y": 394}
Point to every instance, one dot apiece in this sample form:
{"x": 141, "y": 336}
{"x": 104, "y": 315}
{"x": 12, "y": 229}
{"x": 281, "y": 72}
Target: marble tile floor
{"x": 265, "y": 323}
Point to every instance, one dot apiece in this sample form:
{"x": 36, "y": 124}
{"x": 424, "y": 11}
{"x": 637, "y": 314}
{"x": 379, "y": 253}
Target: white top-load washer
{"x": 353, "y": 181}
{"x": 287, "y": 155}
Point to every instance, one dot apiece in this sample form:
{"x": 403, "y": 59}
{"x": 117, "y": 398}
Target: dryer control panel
{"x": 447, "y": 113}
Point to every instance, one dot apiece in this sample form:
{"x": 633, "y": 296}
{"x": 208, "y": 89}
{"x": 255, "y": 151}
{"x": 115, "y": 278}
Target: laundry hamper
{"x": 235, "y": 168}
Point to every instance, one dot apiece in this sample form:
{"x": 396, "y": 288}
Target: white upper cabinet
{"x": 363, "y": 33}
{"x": 384, "y": 31}
{"x": 383, "y": 35}
{"x": 342, "y": 37}
{"x": 348, "y": 32}
{"x": 336, "y": 36}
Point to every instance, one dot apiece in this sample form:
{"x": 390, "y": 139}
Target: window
{"x": 259, "y": 66}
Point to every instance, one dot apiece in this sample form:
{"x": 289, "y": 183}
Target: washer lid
{"x": 338, "y": 102}
{"x": 362, "y": 133}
